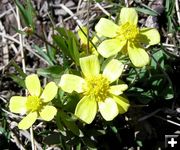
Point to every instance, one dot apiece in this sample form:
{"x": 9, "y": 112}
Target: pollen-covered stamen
{"x": 97, "y": 87}
{"x": 128, "y": 31}
{"x": 33, "y": 103}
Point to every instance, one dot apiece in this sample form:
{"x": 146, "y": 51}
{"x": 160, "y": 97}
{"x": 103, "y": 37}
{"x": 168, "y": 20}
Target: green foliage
{"x": 51, "y": 72}
{"x": 28, "y": 14}
{"x": 48, "y": 56}
{"x": 67, "y": 41}
{"x": 152, "y": 82}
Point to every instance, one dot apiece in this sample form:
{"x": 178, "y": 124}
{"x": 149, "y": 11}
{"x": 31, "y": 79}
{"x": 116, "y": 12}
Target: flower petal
{"x": 86, "y": 109}
{"x": 18, "y": 104}
{"x": 137, "y": 55}
{"x": 33, "y": 85}
{"x": 110, "y": 47}
{"x": 49, "y": 92}
{"x": 113, "y": 70}
{"x": 28, "y": 121}
{"x": 70, "y": 83}
{"x": 48, "y": 113}
{"x": 149, "y": 36}
{"x": 123, "y": 103}
{"x": 106, "y": 27}
{"x": 90, "y": 65}
{"x": 118, "y": 89}
{"x": 82, "y": 33}
{"x": 108, "y": 109}
{"x": 128, "y": 15}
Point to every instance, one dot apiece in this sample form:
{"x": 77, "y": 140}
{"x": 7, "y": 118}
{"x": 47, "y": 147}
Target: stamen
{"x": 97, "y": 87}
{"x": 128, "y": 31}
{"x": 33, "y": 103}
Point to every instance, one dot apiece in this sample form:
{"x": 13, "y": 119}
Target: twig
{"x": 25, "y": 46}
{"x": 5, "y": 45}
{"x": 104, "y": 11}
{"x": 20, "y": 40}
{"x": 69, "y": 12}
{"x": 167, "y": 120}
{"x": 178, "y": 11}
{"x": 127, "y": 3}
{"x": 88, "y": 13}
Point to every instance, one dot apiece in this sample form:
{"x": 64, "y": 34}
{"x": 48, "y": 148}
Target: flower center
{"x": 33, "y": 103}
{"x": 128, "y": 31}
{"x": 97, "y": 87}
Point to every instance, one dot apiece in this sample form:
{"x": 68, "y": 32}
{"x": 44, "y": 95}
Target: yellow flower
{"x": 126, "y": 37}
{"x": 84, "y": 40}
{"x": 36, "y": 103}
{"x": 97, "y": 92}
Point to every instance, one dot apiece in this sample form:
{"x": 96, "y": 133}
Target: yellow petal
{"x": 90, "y": 65}
{"x": 113, "y": 70}
{"x": 137, "y": 55}
{"x": 33, "y": 85}
{"x": 123, "y": 103}
{"x": 49, "y": 92}
{"x": 118, "y": 89}
{"x": 28, "y": 121}
{"x": 128, "y": 15}
{"x": 86, "y": 109}
{"x": 110, "y": 47}
{"x": 108, "y": 109}
{"x": 70, "y": 83}
{"x": 149, "y": 36}
{"x": 48, "y": 113}
{"x": 94, "y": 52}
{"x": 83, "y": 36}
{"x": 18, "y": 104}
{"x": 106, "y": 27}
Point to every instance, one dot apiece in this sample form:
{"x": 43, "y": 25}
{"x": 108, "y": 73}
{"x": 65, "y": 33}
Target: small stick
{"x": 178, "y": 11}
{"x": 104, "y": 11}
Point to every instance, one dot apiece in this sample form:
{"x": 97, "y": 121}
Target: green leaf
{"x": 18, "y": 80}
{"x": 148, "y": 11}
{"x": 159, "y": 57}
{"x": 43, "y": 54}
{"x": 70, "y": 123}
{"x": 78, "y": 147}
{"x": 27, "y": 13}
{"x": 54, "y": 138}
{"x": 68, "y": 43}
{"x": 51, "y": 72}
{"x": 51, "y": 52}
{"x": 61, "y": 43}
{"x": 75, "y": 51}
{"x": 18, "y": 69}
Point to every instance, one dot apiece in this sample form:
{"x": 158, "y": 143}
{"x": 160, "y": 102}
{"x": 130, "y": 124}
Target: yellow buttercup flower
{"x": 36, "y": 103}
{"x": 126, "y": 37}
{"x": 98, "y": 93}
